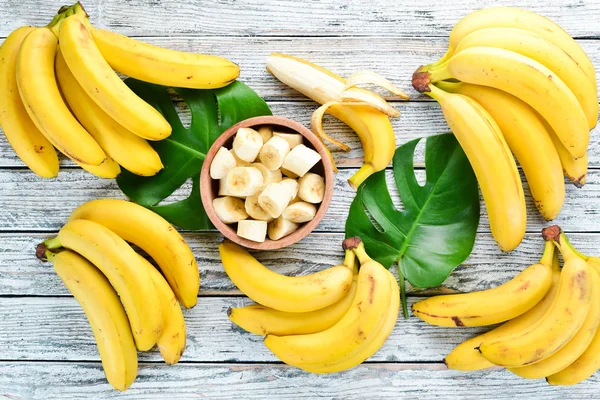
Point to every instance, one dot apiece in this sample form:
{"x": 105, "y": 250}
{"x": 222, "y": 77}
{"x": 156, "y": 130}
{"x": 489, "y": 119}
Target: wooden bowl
{"x": 209, "y": 187}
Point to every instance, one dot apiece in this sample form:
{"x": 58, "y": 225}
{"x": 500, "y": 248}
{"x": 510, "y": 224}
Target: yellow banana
{"x": 493, "y": 163}
{"x": 542, "y": 167}
{"x": 560, "y": 323}
{"x": 284, "y": 293}
{"x": 127, "y": 149}
{"x": 44, "y": 104}
{"x": 105, "y": 314}
{"x": 104, "y": 86}
{"x": 30, "y": 145}
{"x": 164, "y": 66}
{"x": 574, "y": 168}
{"x": 123, "y": 268}
{"x": 545, "y": 52}
{"x": 524, "y": 78}
{"x": 575, "y": 347}
{"x": 360, "y": 324}
{"x": 466, "y": 356}
{"x": 517, "y": 296}
{"x": 153, "y": 234}
{"x": 262, "y": 320}
{"x": 109, "y": 169}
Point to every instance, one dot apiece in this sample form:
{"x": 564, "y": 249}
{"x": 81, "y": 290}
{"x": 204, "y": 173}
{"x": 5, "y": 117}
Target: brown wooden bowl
{"x": 209, "y": 187}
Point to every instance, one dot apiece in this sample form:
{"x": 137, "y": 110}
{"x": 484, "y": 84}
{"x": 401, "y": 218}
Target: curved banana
{"x": 360, "y": 324}
{"x": 574, "y": 168}
{"x": 123, "y": 268}
{"x": 570, "y": 352}
{"x": 560, "y": 323}
{"x": 44, "y": 104}
{"x": 525, "y": 79}
{"x": 284, "y": 293}
{"x": 153, "y": 234}
{"x": 466, "y": 356}
{"x": 109, "y": 169}
{"x": 262, "y": 320}
{"x": 523, "y": 130}
{"x": 517, "y": 296}
{"x": 129, "y": 150}
{"x": 104, "y": 86}
{"x": 164, "y": 66}
{"x": 30, "y": 145}
{"x": 493, "y": 163}
{"x": 545, "y": 52}
{"x": 105, "y": 314}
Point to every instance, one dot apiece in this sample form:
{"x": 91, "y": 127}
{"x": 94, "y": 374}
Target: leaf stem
{"x": 402, "y": 284}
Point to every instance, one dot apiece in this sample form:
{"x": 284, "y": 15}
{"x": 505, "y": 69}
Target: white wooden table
{"x": 46, "y": 346}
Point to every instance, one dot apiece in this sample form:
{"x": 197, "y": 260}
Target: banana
{"x": 542, "y": 167}
{"x": 103, "y": 85}
{"x": 230, "y": 209}
{"x": 243, "y": 181}
{"x": 262, "y": 320}
{"x": 268, "y": 175}
{"x": 265, "y": 132}
{"x": 293, "y": 139}
{"x": 109, "y": 169}
{"x": 545, "y": 52}
{"x": 517, "y": 296}
{"x": 280, "y": 227}
{"x": 311, "y": 188}
{"x": 43, "y": 101}
{"x": 239, "y": 162}
{"x": 300, "y": 160}
{"x": 105, "y": 314}
{"x": 574, "y": 168}
{"x": 126, "y": 273}
{"x": 254, "y": 210}
{"x": 252, "y": 230}
{"x": 273, "y": 152}
{"x": 127, "y": 149}
{"x": 570, "y": 352}
{"x": 247, "y": 144}
{"x": 153, "y": 234}
{"x": 164, "y": 66}
{"x": 299, "y": 212}
{"x": 222, "y": 163}
{"x": 560, "y": 323}
{"x": 292, "y": 294}
{"x": 493, "y": 163}
{"x": 275, "y": 198}
{"x": 30, "y": 145}
{"x": 525, "y": 79}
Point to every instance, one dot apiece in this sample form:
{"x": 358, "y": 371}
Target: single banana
{"x": 43, "y": 101}
{"x": 524, "y": 78}
{"x": 30, "y": 145}
{"x": 542, "y": 50}
{"x": 262, "y": 320}
{"x": 280, "y": 227}
{"x": 129, "y": 150}
{"x": 104, "y": 86}
{"x": 560, "y": 323}
{"x": 284, "y": 293}
{"x": 574, "y": 168}
{"x": 542, "y": 167}
{"x": 273, "y": 152}
{"x": 252, "y": 230}
{"x": 466, "y": 356}
{"x": 493, "y": 163}
{"x": 153, "y": 234}
{"x": 517, "y": 296}
{"x": 300, "y": 160}
{"x": 105, "y": 314}
{"x": 222, "y": 163}
{"x": 164, "y": 66}
{"x": 311, "y": 188}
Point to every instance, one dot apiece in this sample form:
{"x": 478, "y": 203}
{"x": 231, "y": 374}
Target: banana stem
{"x": 53, "y": 243}
{"x": 402, "y": 284}
{"x": 350, "y": 259}
{"x": 548, "y": 255}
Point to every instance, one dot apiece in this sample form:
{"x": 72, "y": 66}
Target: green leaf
{"x": 182, "y": 153}
{"x": 436, "y": 231}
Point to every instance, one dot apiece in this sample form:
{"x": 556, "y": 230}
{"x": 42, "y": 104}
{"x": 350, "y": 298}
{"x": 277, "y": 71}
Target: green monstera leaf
{"x": 182, "y": 153}
{"x": 436, "y": 230}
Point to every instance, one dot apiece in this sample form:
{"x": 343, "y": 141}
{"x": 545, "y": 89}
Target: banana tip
{"x": 351, "y": 243}
{"x": 40, "y": 252}
{"x": 551, "y": 233}
{"x": 421, "y": 81}
{"x": 229, "y": 311}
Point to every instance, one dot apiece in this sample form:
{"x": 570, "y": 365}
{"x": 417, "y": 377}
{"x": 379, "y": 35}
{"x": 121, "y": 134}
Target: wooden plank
{"x": 290, "y": 18}
{"x": 48, "y": 380}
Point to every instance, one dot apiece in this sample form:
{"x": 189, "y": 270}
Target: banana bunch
{"x": 324, "y": 322}
{"x": 60, "y": 89}
{"x": 552, "y": 316}
{"x": 366, "y": 112}
{"x": 513, "y": 80}
{"x": 129, "y": 304}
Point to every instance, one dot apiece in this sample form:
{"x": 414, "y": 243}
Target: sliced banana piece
{"x": 222, "y": 163}
{"x": 294, "y": 139}
{"x": 247, "y": 144}
{"x": 254, "y": 209}
{"x": 301, "y": 159}
{"x": 288, "y": 173}
{"x": 295, "y": 200}
{"x": 239, "y": 162}
{"x": 275, "y": 198}
{"x": 291, "y": 185}
{"x": 266, "y": 132}
{"x": 268, "y": 175}
{"x": 230, "y": 209}
{"x": 299, "y": 212}
{"x": 281, "y": 227}
{"x": 312, "y": 188}
{"x": 273, "y": 152}
{"x": 244, "y": 181}
{"x": 252, "y": 230}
